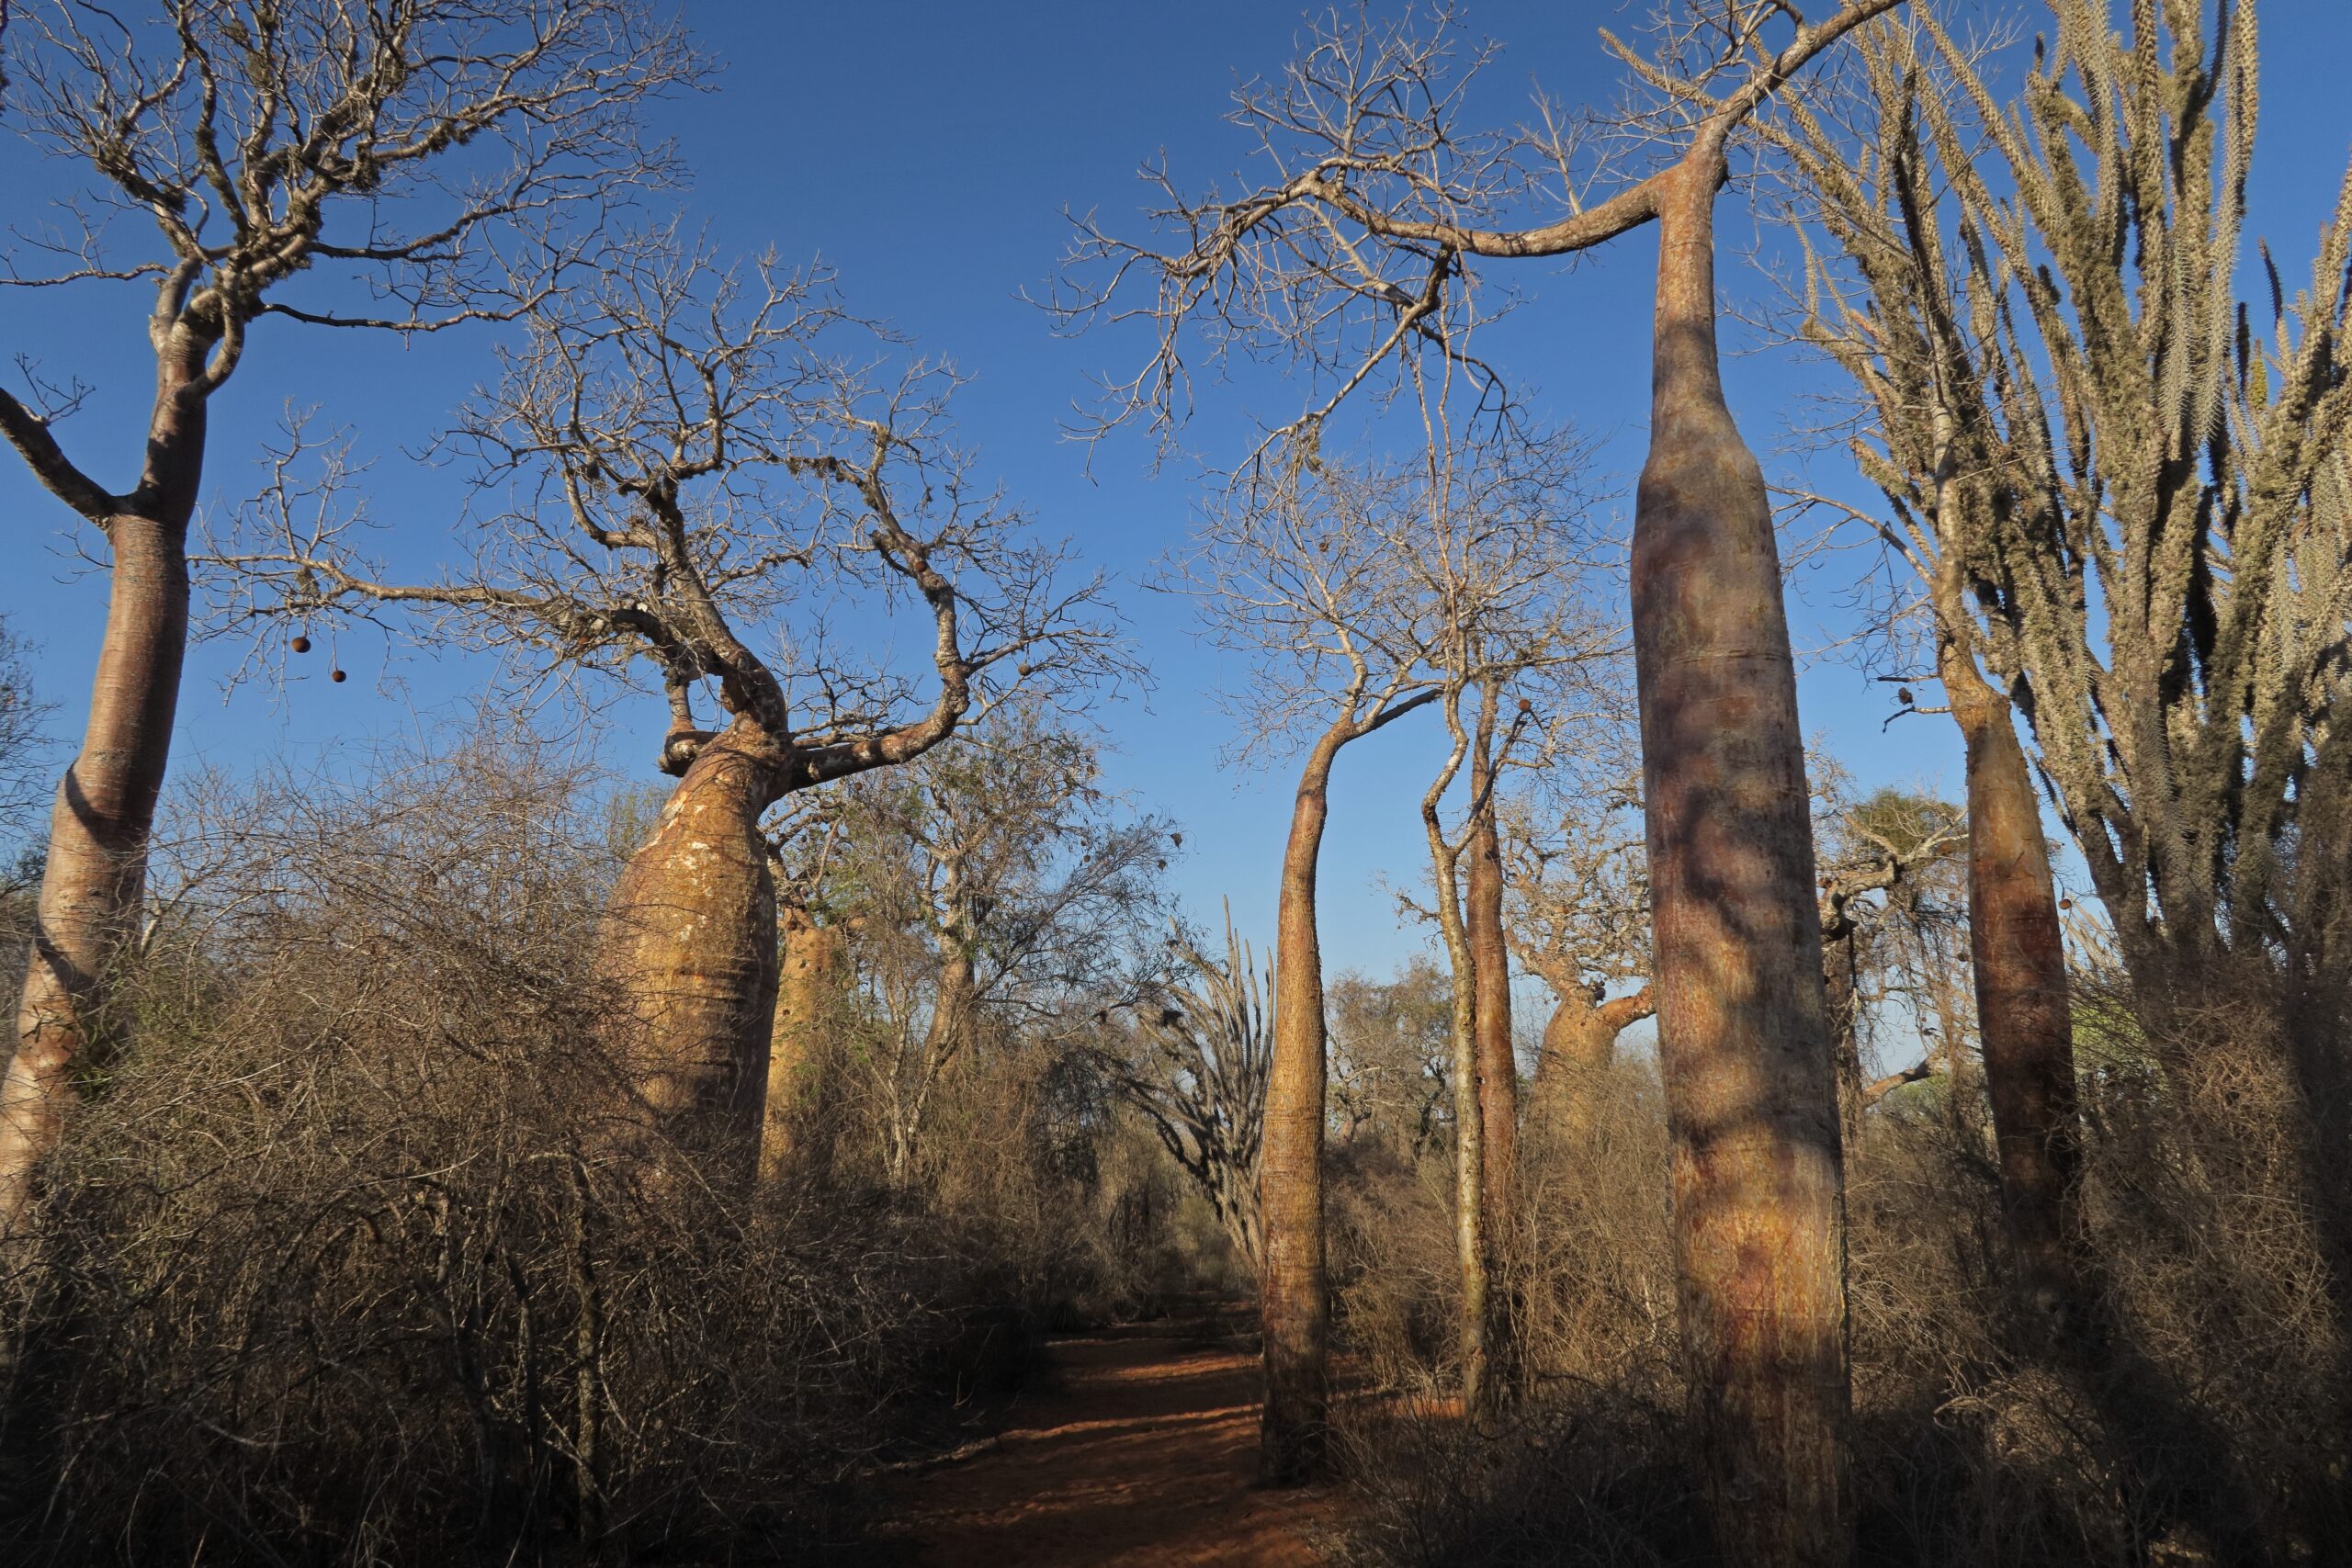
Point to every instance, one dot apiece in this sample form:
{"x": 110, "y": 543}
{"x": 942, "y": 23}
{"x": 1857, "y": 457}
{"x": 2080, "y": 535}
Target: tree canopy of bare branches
{"x": 674, "y": 465}
{"x": 448, "y": 160}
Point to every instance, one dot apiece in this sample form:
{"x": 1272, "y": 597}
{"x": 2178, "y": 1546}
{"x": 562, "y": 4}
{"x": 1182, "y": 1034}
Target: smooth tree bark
{"x": 1294, "y": 1285}
{"x": 812, "y": 973}
{"x": 2024, "y": 1019}
{"x": 1579, "y": 1049}
{"x": 253, "y": 138}
{"x": 1490, "y": 959}
{"x": 1743, "y": 1031}
{"x": 627, "y": 417}
{"x": 1374, "y": 220}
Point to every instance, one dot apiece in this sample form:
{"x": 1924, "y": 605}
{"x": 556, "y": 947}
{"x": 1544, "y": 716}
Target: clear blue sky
{"x": 927, "y": 150}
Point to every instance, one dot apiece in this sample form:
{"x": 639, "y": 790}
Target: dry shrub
{"x": 2210, "y": 1428}
{"x": 359, "y": 1257}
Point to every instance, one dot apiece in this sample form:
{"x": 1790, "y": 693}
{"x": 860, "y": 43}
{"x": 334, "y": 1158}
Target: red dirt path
{"x": 1139, "y": 1453}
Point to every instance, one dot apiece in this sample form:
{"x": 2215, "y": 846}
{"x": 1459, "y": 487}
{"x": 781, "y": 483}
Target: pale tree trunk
{"x": 689, "y": 937}
{"x": 1489, "y": 951}
{"x": 2023, "y": 1017}
{"x": 1490, "y": 958}
{"x": 96, "y": 877}
{"x": 1743, "y": 1035}
{"x": 812, "y": 970}
{"x": 1469, "y": 1143}
{"x": 1579, "y": 1049}
{"x": 1293, "y": 1291}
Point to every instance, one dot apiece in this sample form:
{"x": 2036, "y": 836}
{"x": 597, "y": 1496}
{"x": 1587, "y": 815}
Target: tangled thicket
{"x": 361, "y": 1256}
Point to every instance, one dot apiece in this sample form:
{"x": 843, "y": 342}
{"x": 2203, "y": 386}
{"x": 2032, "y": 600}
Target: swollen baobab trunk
{"x": 95, "y": 875}
{"x": 1579, "y": 1046}
{"x": 1743, "y": 1038}
{"x": 2022, "y": 1012}
{"x": 1293, "y": 1291}
{"x": 689, "y": 938}
{"x": 812, "y": 959}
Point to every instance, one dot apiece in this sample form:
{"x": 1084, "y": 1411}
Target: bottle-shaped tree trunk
{"x": 689, "y": 939}
{"x": 1743, "y": 1038}
{"x": 1579, "y": 1049}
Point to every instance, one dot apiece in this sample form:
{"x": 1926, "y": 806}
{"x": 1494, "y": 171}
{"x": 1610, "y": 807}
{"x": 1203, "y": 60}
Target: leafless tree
{"x": 1579, "y": 918}
{"x": 1308, "y": 581}
{"x": 265, "y": 142}
{"x": 2113, "y": 492}
{"x": 1357, "y": 257}
{"x": 1194, "y": 1061}
{"x": 1005, "y": 894}
{"x": 671, "y": 465}
{"x": 1392, "y": 1046}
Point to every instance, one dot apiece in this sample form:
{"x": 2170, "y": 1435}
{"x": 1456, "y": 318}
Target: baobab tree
{"x": 2116, "y": 507}
{"x": 1308, "y": 581}
{"x": 670, "y": 461}
{"x": 267, "y": 149}
{"x": 1358, "y": 259}
{"x": 1578, "y": 919}
{"x": 1498, "y": 573}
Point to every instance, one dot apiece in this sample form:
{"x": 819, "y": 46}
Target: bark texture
{"x": 2023, "y": 1018}
{"x": 1579, "y": 1048}
{"x": 1293, "y": 1287}
{"x": 1743, "y": 1039}
{"x": 1490, "y": 956}
{"x": 96, "y": 876}
{"x": 690, "y": 938}
{"x": 813, "y": 968}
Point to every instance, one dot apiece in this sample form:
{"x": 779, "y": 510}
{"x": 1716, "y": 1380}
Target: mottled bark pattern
{"x": 2023, "y": 1017}
{"x": 1579, "y": 1048}
{"x": 1490, "y": 953}
{"x": 1744, "y": 1042}
{"x": 1293, "y": 1290}
{"x": 690, "y": 937}
{"x": 812, "y": 964}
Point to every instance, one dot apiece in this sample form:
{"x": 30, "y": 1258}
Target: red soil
{"x": 1141, "y": 1452}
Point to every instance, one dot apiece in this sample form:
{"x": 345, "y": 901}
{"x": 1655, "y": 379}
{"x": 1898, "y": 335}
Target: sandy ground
{"x": 1139, "y": 1451}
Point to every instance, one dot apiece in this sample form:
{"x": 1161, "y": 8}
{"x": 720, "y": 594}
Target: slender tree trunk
{"x": 1293, "y": 1293}
{"x": 1469, "y": 1141}
{"x": 812, "y": 963}
{"x": 2022, "y": 1012}
{"x": 1743, "y": 1039}
{"x": 96, "y": 876}
{"x": 689, "y": 937}
{"x": 1490, "y": 958}
{"x": 1841, "y": 987}
{"x": 1579, "y": 1047}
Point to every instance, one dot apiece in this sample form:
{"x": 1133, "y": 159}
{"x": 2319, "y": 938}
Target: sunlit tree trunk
{"x": 1470, "y": 1228}
{"x": 812, "y": 964}
{"x": 96, "y": 871}
{"x": 1579, "y": 1048}
{"x": 689, "y": 938}
{"x": 2023, "y": 1017}
{"x": 1293, "y": 1290}
{"x": 1743, "y": 1036}
{"x": 1491, "y": 955}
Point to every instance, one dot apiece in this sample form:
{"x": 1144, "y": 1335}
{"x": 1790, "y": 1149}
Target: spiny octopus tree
{"x": 1358, "y": 260}
{"x": 671, "y": 466}
{"x": 2118, "y": 502}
